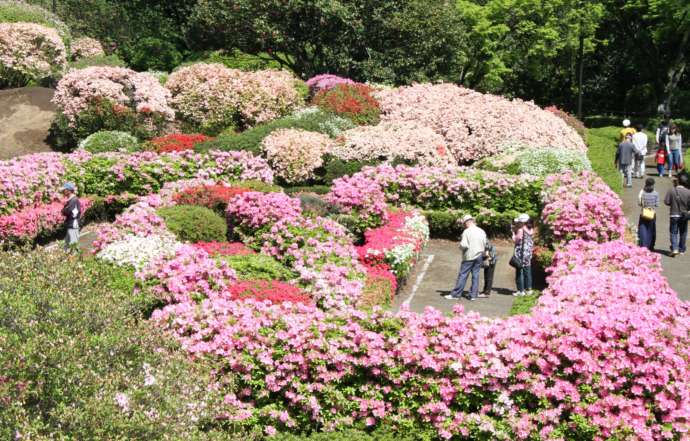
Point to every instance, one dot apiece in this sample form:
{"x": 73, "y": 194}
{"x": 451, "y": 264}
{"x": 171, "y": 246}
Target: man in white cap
{"x": 72, "y": 213}
{"x": 473, "y": 245}
{"x": 626, "y": 130}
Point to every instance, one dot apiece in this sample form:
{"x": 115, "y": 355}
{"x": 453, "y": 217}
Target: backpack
{"x": 663, "y": 132}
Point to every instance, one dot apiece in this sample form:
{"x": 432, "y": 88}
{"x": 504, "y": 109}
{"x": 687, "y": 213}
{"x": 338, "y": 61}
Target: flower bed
{"x": 26, "y": 225}
{"x": 476, "y": 125}
{"x": 29, "y": 52}
{"x": 34, "y": 179}
{"x": 177, "y": 142}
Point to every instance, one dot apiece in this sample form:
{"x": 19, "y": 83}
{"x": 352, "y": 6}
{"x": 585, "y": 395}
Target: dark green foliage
{"x": 72, "y": 336}
{"x": 318, "y": 189}
{"x": 313, "y": 204}
{"x": 191, "y": 223}
{"x": 335, "y": 168}
{"x": 381, "y": 434}
{"x": 259, "y": 267}
{"x": 445, "y": 224}
{"x": 235, "y": 59}
{"x": 101, "y": 60}
{"x": 154, "y": 54}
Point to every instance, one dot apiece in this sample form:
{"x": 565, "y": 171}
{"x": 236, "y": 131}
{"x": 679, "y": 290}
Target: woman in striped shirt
{"x": 646, "y": 227}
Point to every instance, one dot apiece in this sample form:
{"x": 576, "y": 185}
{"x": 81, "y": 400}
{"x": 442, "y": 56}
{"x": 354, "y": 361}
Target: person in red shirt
{"x": 661, "y": 161}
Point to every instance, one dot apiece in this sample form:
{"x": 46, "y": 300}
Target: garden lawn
{"x": 602, "y": 152}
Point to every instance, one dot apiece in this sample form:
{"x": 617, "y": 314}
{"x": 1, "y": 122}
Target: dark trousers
{"x": 679, "y": 233}
{"x": 467, "y": 267}
{"x": 646, "y": 232}
{"x": 488, "y": 278}
{"x": 523, "y": 278}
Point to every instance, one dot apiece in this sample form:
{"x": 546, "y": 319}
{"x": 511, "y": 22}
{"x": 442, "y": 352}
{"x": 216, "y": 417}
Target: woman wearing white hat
{"x": 522, "y": 257}
{"x": 627, "y": 130}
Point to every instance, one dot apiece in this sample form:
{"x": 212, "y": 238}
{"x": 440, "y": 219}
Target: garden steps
{"x": 676, "y": 270}
{"x": 435, "y": 279}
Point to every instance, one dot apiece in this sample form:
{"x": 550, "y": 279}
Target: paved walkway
{"x": 435, "y": 274}
{"x": 676, "y": 270}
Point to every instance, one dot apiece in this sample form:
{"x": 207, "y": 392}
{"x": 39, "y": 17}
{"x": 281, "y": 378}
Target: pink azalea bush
{"x": 475, "y": 125}
{"x": 212, "y": 97}
{"x": 325, "y": 82}
{"x": 26, "y": 225}
{"x": 29, "y": 52}
{"x": 251, "y": 211}
{"x": 124, "y": 89}
{"x": 86, "y": 47}
{"x": 408, "y": 141}
{"x": 294, "y": 154}
{"x": 582, "y": 206}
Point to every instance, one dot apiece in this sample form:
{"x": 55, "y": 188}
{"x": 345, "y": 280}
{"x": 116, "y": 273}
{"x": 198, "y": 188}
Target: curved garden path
{"x": 676, "y": 270}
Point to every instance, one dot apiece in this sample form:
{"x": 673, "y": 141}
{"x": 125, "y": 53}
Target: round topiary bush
{"x": 86, "y": 47}
{"x": 109, "y": 141}
{"x": 294, "y": 154}
{"x": 30, "y": 54}
{"x": 258, "y": 267}
{"x": 154, "y": 54}
{"x": 191, "y": 223}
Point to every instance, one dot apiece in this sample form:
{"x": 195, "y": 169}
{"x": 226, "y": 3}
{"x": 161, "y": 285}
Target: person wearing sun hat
{"x": 473, "y": 245}
{"x": 523, "y": 238}
{"x": 72, "y": 213}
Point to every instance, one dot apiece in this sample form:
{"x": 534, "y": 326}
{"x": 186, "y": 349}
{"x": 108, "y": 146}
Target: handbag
{"x": 515, "y": 262}
{"x": 648, "y": 213}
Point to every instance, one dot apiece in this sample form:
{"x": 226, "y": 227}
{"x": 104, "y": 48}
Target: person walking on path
{"x": 626, "y": 130}
{"x": 640, "y": 140}
{"x": 678, "y": 198}
{"x": 624, "y": 159}
{"x": 523, "y": 238}
{"x": 489, "y": 263}
{"x": 473, "y": 245}
{"x": 660, "y": 159}
{"x": 648, "y": 199}
{"x": 674, "y": 140}
{"x": 661, "y": 134}
{"x": 72, "y": 213}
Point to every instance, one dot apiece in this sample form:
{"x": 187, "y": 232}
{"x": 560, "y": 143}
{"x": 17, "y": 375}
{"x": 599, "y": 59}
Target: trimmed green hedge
{"x": 192, "y": 223}
{"x": 259, "y": 267}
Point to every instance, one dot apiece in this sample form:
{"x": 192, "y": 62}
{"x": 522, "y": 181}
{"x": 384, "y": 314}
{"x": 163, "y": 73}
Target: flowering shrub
{"x": 212, "y": 97}
{"x": 365, "y": 194}
{"x": 29, "y": 53}
{"x": 86, "y": 47}
{"x": 111, "y": 98}
{"x": 140, "y": 220}
{"x": 397, "y": 243}
{"x": 379, "y": 288}
{"x": 389, "y": 141}
{"x": 176, "y": 142}
{"x": 353, "y": 101}
{"x": 569, "y": 119}
{"x": 215, "y": 196}
{"x": 252, "y": 211}
{"x": 325, "y": 82}
{"x": 188, "y": 274}
{"x": 138, "y": 251}
{"x": 582, "y": 206}
{"x": 224, "y": 248}
{"x": 109, "y": 141}
{"x": 543, "y": 162}
{"x": 475, "y": 125}
{"x": 26, "y": 225}
{"x": 295, "y": 154}
{"x": 270, "y": 291}
{"x": 254, "y": 266}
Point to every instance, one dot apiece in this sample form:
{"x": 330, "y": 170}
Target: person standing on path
{"x": 674, "y": 140}
{"x": 660, "y": 160}
{"x": 648, "y": 199}
{"x": 523, "y": 238}
{"x": 489, "y": 263}
{"x": 626, "y": 130}
{"x": 640, "y": 141}
{"x": 678, "y": 198}
{"x": 473, "y": 245}
{"x": 72, "y": 213}
{"x": 661, "y": 133}
{"x": 624, "y": 159}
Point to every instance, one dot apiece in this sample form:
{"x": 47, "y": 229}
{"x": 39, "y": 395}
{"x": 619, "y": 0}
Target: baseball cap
{"x": 69, "y": 186}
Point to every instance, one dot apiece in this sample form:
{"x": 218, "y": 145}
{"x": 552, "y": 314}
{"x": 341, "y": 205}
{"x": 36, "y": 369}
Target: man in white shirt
{"x": 473, "y": 245}
{"x": 640, "y": 140}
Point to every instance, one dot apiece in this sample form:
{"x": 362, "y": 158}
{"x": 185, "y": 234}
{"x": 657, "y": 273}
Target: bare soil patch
{"x": 25, "y": 118}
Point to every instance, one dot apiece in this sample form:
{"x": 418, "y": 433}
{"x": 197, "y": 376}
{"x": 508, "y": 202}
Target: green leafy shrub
{"x": 109, "y": 141}
{"x": 78, "y": 360}
{"x": 380, "y": 434}
{"x": 445, "y": 223}
{"x": 101, "y": 60}
{"x": 318, "y": 189}
{"x": 154, "y": 54}
{"x": 235, "y": 59}
{"x": 335, "y": 168}
{"x": 191, "y": 223}
{"x": 259, "y": 267}
{"x": 312, "y": 120}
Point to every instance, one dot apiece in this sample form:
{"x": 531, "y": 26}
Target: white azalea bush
{"x": 138, "y": 251}
{"x": 549, "y": 161}
{"x": 30, "y": 53}
{"x": 295, "y": 154}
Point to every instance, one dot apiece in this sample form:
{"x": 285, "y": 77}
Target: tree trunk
{"x": 581, "y": 62}
{"x": 676, "y": 71}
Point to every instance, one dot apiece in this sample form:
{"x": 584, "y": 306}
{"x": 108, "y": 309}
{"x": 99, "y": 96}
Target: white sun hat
{"x": 626, "y": 123}
{"x": 524, "y": 217}
{"x": 466, "y": 218}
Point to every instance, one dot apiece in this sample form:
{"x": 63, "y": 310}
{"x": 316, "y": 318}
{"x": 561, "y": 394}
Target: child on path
{"x": 661, "y": 161}
{"x": 72, "y": 213}
{"x": 648, "y": 199}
